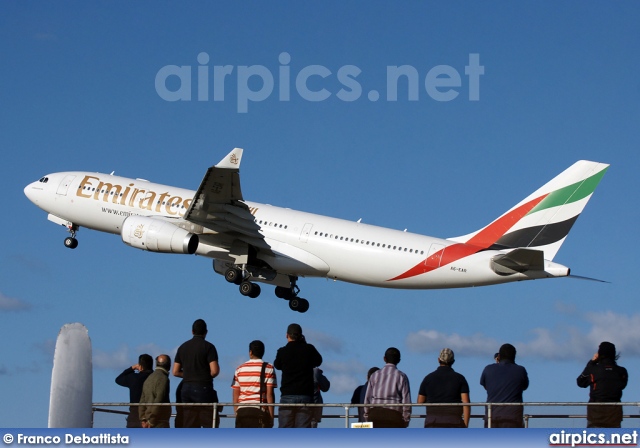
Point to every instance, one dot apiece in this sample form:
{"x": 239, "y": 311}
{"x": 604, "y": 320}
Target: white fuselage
{"x": 304, "y": 244}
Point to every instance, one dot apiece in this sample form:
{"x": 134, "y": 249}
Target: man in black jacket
{"x": 134, "y": 377}
{"x": 296, "y": 360}
{"x": 606, "y": 380}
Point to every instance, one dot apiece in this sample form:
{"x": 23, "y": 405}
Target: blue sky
{"x": 79, "y": 92}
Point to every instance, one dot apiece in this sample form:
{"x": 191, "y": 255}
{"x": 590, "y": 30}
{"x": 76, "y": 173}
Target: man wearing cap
{"x": 197, "y": 364}
{"x": 444, "y": 385}
{"x": 296, "y": 360}
{"x": 504, "y": 382}
{"x": 606, "y": 380}
{"x": 388, "y": 386}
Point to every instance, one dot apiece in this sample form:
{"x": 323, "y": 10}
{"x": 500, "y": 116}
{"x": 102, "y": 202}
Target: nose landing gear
{"x": 71, "y": 242}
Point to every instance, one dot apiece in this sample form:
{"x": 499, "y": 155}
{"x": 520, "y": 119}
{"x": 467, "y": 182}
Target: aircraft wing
{"x": 218, "y": 204}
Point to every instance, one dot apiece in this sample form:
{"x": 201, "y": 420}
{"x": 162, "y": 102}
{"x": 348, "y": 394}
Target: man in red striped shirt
{"x": 248, "y": 388}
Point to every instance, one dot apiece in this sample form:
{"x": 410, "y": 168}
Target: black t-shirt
{"x": 194, "y": 356}
{"x": 444, "y": 385}
{"x": 297, "y": 360}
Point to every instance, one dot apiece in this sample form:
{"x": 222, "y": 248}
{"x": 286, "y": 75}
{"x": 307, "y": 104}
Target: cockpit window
{"x": 44, "y": 180}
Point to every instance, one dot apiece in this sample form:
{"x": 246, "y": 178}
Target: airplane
{"x": 252, "y": 243}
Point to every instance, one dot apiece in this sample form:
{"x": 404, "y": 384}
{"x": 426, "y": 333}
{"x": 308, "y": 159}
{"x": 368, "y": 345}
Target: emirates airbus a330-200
{"x": 253, "y": 243}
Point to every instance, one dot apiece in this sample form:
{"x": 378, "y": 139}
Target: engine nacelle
{"x": 156, "y": 235}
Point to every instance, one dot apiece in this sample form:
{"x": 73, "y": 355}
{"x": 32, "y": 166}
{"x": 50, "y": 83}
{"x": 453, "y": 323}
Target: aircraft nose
{"x": 31, "y": 190}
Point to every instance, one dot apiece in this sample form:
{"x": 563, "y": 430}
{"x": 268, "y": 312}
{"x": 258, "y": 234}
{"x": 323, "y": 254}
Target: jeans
{"x": 198, "y": 416}
{"x": 294, "y": 417}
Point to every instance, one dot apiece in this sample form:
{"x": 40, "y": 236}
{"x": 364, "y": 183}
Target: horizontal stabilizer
{"x": 518, "y": 260}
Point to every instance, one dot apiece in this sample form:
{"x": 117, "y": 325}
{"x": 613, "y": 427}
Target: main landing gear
{"x": 247, "y": 288}
{"x": 250, "y": 289}
{"x": 71, "y": 242}
{"x": 291, "y": 294}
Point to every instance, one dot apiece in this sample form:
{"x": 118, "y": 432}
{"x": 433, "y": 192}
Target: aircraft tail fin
{"x": 542, "y": 220}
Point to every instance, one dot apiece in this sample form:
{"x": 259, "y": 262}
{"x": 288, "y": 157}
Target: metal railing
{"x": 347, "y": 416}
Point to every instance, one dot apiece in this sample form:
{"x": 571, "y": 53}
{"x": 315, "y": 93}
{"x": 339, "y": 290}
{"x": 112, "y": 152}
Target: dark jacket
{"x": 156, "y": 390}
{"x": 134, "y": 381}
{"x": 606, "y": 380}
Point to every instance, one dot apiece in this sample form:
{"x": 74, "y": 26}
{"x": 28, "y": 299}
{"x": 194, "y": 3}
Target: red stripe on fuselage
{"x": 481, "y": 240}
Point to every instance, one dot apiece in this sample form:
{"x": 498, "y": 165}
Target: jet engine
{"x": 156, "y": 235}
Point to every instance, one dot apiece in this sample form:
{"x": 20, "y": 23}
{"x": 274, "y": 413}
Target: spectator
{"x": 254, "y": 382}
{"x": 156, "y": 390}
{"x": 444, "y": 385}
{"x": 134, "y": 377}
{"x": 197, "y": 365}
{"x": 389, "y": 385}
{"x": 606, "y": 380}
{"x": 296, "y": 360}
{"x": 320, "y": 384}
{"x": 360, "y": 392}
{"x": 178, "y": 422}
{"x": 504, "y": 382}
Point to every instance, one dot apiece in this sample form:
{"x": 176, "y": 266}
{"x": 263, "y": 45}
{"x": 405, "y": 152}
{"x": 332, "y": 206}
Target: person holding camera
{"x": 606, "y": 380}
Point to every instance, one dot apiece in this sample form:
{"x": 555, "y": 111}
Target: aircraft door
{"x": 434, "y": 256}
{"x": 64, "y": 185}
{"x": 306, "y": 230}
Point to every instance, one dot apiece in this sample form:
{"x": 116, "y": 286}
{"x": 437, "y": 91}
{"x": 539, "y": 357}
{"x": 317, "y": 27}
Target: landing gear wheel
{"x": 255, "y": 291}
{"x": 303, "y": 305}
{"x": 284, "y": 293}
{"x": 249, "y": 289}
{"x": 233, "y": 276}
{"x": 71, "y": 242}
{"x": 299, "y": 305}
{"x": 246, "y": 288}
